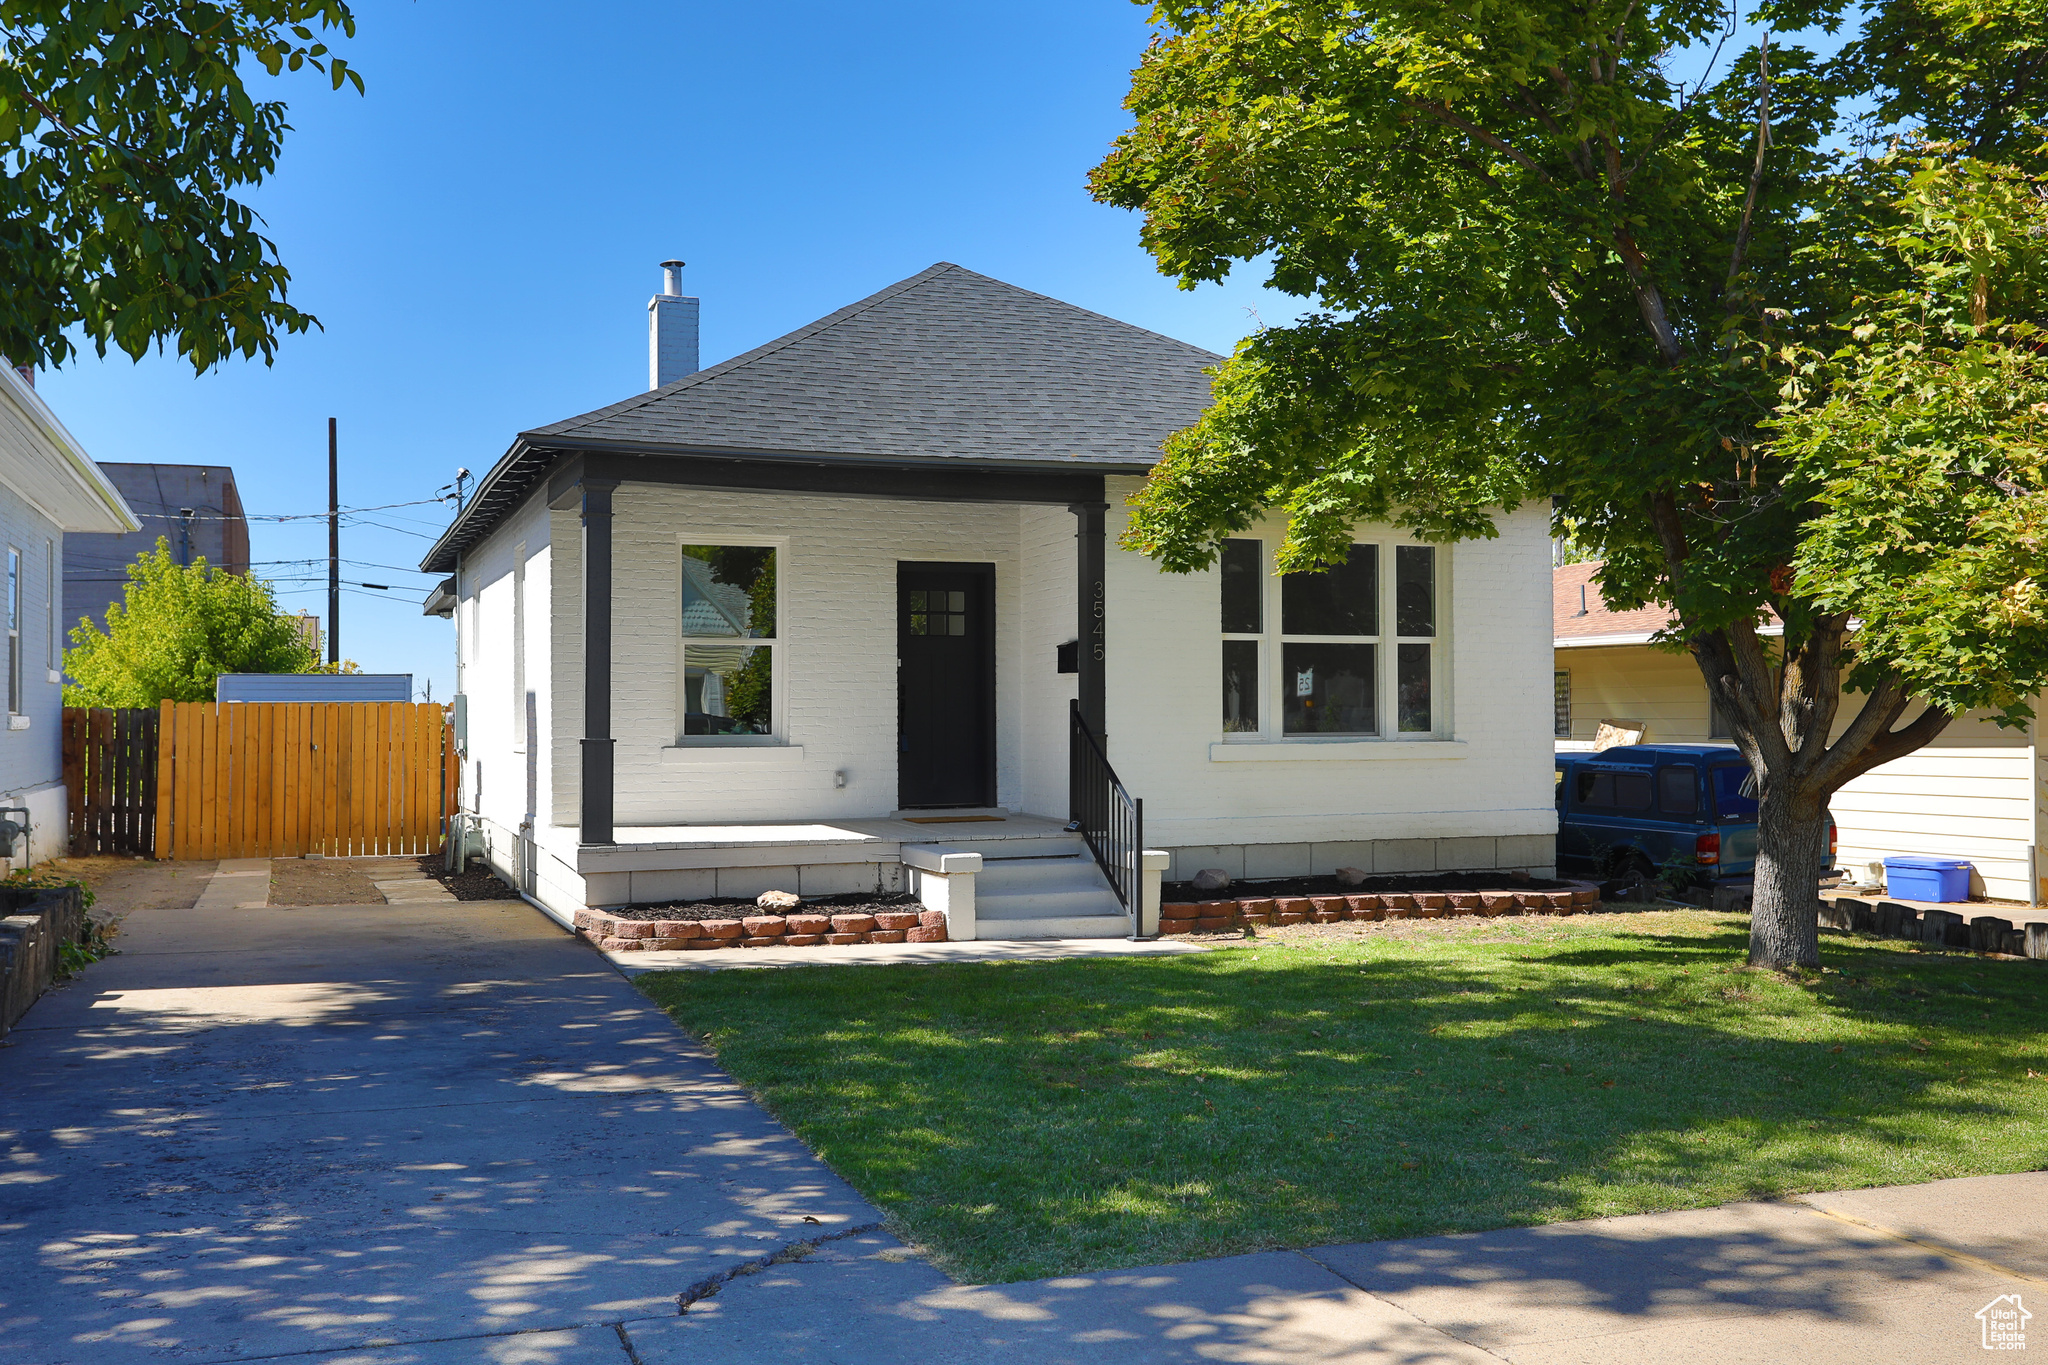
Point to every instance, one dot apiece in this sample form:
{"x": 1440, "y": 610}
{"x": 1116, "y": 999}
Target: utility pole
{"x": 333, "y": 549}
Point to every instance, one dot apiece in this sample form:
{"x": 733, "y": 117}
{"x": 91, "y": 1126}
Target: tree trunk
{"x": 1791, "y": 854}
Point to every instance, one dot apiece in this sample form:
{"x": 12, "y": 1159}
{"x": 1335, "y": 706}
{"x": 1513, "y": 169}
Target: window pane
{"x": 1678, "y": 790}
{"x": 1328, "y": 689}
{"x": 729, "y": 590}
{"x": 1613, "y": 791}
{"x": 1561, "y": 704}
{"x": 1242, "y": 612}
{"x": 935, "y": 611}
{"x": 1415, "y": 590}
{"x": 1734, "y": 793}
{"x": 1240, "y": 687}
{"x": 728, "y": 689}
{"x": 1414, "y": 688}
{"x": 1341, "y": 600}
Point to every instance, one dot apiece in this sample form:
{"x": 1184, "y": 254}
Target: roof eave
{"x": 475, "y": 522}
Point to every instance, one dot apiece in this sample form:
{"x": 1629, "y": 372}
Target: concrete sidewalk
{"x": 1895, "y": 1275}
{"x": 452, "y": 1134}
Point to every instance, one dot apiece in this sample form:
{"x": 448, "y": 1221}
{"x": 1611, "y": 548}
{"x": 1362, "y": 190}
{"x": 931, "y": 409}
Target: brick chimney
{"x": 671, "y": 330}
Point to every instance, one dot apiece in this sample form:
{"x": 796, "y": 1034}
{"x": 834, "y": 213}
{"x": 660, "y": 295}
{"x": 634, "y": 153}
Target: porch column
{"x": 1088, "y": 558}
{"x": 597, "y": 661}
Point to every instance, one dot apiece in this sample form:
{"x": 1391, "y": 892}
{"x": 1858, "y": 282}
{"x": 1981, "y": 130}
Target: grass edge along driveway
{"x": 1336, "y": 1083}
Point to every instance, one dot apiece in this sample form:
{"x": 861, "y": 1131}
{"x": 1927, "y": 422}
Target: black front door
{"x": 945, "y": 685}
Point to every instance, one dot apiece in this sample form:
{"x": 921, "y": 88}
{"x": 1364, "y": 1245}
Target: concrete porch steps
{"x": 1053, "y": 890}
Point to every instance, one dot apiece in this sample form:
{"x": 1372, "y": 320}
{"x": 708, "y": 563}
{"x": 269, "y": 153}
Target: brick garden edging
{"x": 1217, "y": 917}
{"x": 799, "y": 930}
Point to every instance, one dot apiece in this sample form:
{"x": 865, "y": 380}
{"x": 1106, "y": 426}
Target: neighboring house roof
{"x": 1580, "y": 617}
{"x": 945, "y": 369}
{"x": 711, "y": 607}
{"x": 45, "y": 464}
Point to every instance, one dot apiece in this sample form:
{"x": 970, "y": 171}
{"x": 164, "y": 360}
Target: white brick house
{"x": 847, "y": 612}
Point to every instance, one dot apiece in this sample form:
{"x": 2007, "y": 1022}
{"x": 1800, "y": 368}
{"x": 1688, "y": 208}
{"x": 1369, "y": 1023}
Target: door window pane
{"x": 1341, "y": 600}
{"x": 1415, "y": 590}
{"x": 729, "y": 590}
{"x": 1243, "y": 588}
{"x": 1240, "y": 687}
{"x": 1413, "y": 686}
{"x": 1678, "y": 790}
{"x": 936, "y": 612}
{"x": 728, "y": 689}
{"x": 1328, "y": 689}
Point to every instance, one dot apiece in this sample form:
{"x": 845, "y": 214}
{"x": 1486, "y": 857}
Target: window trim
{"x": 1271, "y": 734}
{"x": 778, "y": 676}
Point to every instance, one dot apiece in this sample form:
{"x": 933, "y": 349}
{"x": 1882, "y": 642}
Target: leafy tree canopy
{"x": 126, "y": 130}
{"x": 1769, "y": 339}
{"x": 178, "y": 628}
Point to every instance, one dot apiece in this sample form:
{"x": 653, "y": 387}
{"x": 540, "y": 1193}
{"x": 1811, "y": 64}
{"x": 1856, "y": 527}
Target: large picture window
{"x": 1354, "y": 652}
{"x": 728, "y": 641}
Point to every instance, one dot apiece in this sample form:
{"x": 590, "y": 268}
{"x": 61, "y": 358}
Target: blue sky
{"x": 479, "y": 234}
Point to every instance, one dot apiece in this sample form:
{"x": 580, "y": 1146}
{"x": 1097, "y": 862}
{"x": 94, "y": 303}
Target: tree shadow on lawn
{"x": 1030, "y": 1119}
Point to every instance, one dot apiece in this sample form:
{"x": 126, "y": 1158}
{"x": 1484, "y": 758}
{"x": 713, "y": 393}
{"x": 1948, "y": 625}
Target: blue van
{"x": 1642, "y": 807}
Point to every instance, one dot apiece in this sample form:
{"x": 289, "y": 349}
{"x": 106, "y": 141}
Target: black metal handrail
{"x": 1106, "y": 816}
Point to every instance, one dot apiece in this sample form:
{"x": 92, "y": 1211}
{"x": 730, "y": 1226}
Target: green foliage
{"x": 45, "y": 879}
{"x": 1925, "y": 449}
{"x": 127, "y": 131}
{"x": 177, "y": 629}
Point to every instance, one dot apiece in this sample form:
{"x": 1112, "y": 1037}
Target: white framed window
{"x": 1561, "y": 703}
{"x": 15, "y": 703}
{"x": 729, "y": 689}
{"x": 1346, "y": 653}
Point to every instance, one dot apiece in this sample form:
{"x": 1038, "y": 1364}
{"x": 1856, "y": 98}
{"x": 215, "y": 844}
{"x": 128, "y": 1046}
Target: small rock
{"x": 1211, "y": 879}
{"x": 779, "y": 901}
{"x": 1519, "y": 877}
{"x": 1351, "y": 876}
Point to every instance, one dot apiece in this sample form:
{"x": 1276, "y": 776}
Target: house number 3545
{"x": 1095, "y": 623}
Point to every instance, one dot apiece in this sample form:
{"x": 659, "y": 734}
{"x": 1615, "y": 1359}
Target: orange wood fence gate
{"x": 283, "y": 779}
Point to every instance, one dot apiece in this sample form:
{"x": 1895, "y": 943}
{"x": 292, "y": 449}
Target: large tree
{"x": 1766, "y": 337}
{"x": 126, "y": 132}
{"x": 177, "y": 628}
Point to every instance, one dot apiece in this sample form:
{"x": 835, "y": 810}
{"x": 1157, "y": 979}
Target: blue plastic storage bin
{"x": 1927, "y": 879}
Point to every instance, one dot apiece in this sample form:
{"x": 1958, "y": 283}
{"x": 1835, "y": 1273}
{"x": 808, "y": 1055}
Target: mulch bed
{"x": 731, "y": 907}
{"x": 474, "y": 883}
{"x": 1407, "y": 884}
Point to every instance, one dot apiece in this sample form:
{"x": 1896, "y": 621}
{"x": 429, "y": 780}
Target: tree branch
{"x": 1756, "y": 171}
{"x": 1441, "y": 111}
{"x": 1649, "y": 302}
{"x": 1896, "y": 743}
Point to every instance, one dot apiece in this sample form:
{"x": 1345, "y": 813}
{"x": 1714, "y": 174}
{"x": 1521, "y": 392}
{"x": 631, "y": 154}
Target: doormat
{"x": 952, "y": 819}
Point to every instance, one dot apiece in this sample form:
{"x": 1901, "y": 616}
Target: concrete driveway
{"x": 450, "y": 1134}
{"x": 262, "y": 1132}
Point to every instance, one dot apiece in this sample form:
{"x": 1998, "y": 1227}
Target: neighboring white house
{"x": 48, "y": 486}
{"x": 848, "y": 612}
{"x": 1975, "y": 793}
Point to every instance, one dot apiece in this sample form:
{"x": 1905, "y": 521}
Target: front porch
{"x": 995, "y": 874}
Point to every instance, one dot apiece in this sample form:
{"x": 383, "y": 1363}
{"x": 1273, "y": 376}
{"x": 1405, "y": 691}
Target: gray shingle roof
{"x": 946, "y": 365}
{"x": 947, "y": 368}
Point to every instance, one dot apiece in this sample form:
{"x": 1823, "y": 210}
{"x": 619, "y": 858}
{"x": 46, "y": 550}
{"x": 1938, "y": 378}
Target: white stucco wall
{"x": 1479, "y": 799}
{"x": 506, "y": 778}
{"x": 1321, "y": 806}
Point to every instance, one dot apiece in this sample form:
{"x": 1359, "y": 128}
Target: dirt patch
{"x": 120, "y": 885}
{"x": 474, "y": 883}
{"x": 1176, "y": 892}
{"x": 320, "y": 881}
{"x": 731, "y": 907}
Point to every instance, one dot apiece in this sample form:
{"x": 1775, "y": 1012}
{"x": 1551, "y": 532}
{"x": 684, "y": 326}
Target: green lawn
{"x": 1314, "y": 1086}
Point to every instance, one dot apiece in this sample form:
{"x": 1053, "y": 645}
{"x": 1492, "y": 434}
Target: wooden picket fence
{"x": 110, "y": 771}
{"x": 284, "y": 779}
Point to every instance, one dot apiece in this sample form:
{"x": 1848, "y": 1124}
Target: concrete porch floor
{"x": 870, "y": 835}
